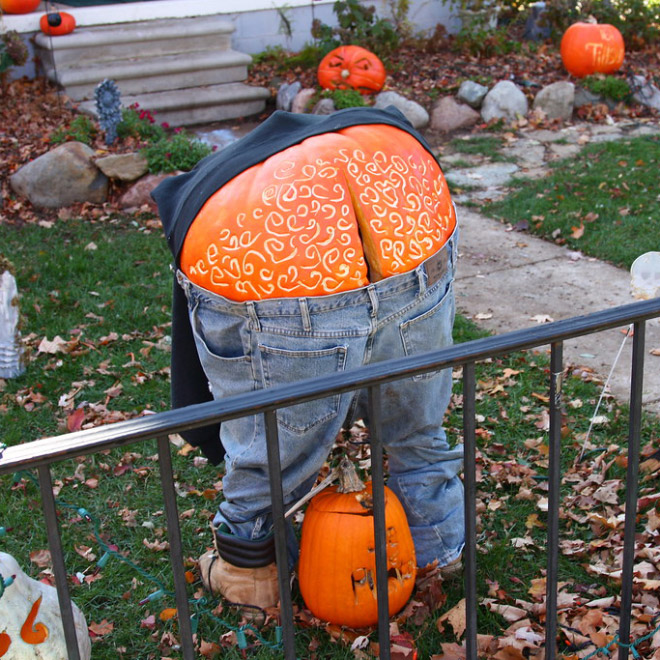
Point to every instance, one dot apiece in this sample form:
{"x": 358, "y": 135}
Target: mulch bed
{"x": 32, "y": 110}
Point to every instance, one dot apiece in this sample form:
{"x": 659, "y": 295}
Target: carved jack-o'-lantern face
{"x": 352, "y": 67}
{"x": 337, "y": 567}
{"x": 331, "y": 214}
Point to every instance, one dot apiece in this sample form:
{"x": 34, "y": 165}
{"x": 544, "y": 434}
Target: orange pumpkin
{"x": 588, "y": 48}
{"x": 330, "y": 214}
{"x": 351, "y": 67}
{"x": 19, "y": 6}
{"x": 57, "y": 23}
{"x": 337, "y": 566}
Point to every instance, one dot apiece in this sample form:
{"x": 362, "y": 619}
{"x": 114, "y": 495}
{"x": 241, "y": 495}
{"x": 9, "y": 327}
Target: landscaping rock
{"x": 555, "y": 101}
{"x": 414, "y": 112}
{"x": 484, "y": 176}
{"x": 527, "y": 152}
{"x": 324, "y": 107}
{"x": 449, "y": 115}
{"x": 303, "y": 97}
{"x": 646, "y": 93}
{"x": 504, "y": 101}
{"x": 472, "y": 93}
{"x": 139, "y": 195}
{"x": 285, "y": 95}
{"x": 61, "y": 177}
{"x": 125, "y": 167}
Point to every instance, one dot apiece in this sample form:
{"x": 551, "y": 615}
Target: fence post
{"x": 634, "y": 432}
{"x": 59, "y": 568}
{"x": 470, "y": 487}
{"x": 279, "y": 523}
{"x": 554, "y": 482}
{"x": 176, "y": 547}
{"x": 380, "y": 533}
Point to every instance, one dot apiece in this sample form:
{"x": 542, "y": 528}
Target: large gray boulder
{"x": 63, "y": 176}
{"x": 556, "y": 101}
{"x": 504, "y": 101}
{"x": 413, "y": 111}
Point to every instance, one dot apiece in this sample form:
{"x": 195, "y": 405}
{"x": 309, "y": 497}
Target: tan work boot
{"x": 453, "y": 569}
{"x": 241, "y": 586}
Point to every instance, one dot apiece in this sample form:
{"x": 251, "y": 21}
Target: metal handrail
{"x": 40, "y": 454}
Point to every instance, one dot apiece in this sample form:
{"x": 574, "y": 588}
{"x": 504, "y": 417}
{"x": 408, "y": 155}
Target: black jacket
{"x": 180, "y": 199}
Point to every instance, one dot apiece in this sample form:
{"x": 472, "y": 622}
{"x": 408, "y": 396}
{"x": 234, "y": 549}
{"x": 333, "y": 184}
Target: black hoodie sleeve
{"x": 189, "y": 384}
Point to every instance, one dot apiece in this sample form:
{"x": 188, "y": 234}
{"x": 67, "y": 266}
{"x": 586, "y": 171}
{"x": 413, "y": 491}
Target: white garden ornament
{"x": 30, "y": 620}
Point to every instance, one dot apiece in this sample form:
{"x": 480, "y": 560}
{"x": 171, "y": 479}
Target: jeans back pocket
{"x": 281, "y": 366}
{"x": 430, "y": 331}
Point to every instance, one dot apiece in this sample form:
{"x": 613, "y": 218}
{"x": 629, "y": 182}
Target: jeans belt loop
{"x": 254, "y": 318}
{"x": 304, "y": 314}
{"x": 373, "y": 298}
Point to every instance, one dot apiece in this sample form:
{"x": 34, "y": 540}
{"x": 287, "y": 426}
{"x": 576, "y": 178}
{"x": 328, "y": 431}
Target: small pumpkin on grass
{"x": 352, "y": 67}
{"x": 337, "y": 567}
{"x": 588, "y": 48}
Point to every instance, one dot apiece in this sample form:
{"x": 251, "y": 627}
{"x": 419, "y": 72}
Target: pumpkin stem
{"x": 349, "y": 481}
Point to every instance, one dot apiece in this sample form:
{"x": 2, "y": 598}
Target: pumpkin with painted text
{"x": 589, "y": 48}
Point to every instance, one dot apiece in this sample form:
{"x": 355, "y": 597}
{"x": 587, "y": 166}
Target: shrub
{"x": 610, "y": 87}
{"x": 82, "y": 129}
{"x": 345, "y": 98}
{"x": 179, "y": 151}
{"x": 140, "y": 124}
{"x": 357, "y": 24}
{"x": 13, "y": 52}
{"x": 637, "y": 20}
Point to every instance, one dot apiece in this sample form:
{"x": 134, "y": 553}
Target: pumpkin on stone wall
{"x": 352, "y": 67}
{"x": 589, "y": 48}
{"x": 337, "y": 566}
{"x": 57, "y": 23}
{"x": 330, "y": 214}
{"x": 19, "y": 6}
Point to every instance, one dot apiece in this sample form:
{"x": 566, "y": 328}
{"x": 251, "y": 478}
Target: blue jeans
{"x": 257, "y": 344}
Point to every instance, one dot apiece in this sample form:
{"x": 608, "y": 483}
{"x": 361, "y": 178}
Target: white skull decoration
{"x": 30, "y": 619}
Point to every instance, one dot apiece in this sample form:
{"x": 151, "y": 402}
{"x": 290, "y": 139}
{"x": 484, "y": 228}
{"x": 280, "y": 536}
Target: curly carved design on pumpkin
{"x": 331, "y": 214}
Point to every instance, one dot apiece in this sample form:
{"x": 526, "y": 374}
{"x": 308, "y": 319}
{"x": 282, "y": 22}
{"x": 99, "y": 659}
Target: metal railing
{"x": 40, "y": 454}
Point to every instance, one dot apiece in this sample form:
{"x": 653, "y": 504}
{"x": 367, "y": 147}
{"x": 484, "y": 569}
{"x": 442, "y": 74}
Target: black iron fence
{"x": 40, "y": 454}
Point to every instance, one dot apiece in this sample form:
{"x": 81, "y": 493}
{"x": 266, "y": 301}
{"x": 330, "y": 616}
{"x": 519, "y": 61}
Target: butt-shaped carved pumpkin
{"x": 337, "y": 566}
{"x": 352, "y": 67}
{"x": 330, "y": 214}
{"x": 588, "y": 48}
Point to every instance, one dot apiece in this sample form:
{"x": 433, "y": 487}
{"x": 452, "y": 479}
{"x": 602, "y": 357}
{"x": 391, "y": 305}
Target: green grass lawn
{"x": 603, "y": 202}
{"x": 98, "y": 291}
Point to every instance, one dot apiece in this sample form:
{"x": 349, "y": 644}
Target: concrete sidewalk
{"x": 509, "y": 280}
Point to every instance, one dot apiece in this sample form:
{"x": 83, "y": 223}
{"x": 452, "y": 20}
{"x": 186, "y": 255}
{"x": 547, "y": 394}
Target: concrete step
{"x": 201, "y": 105}
{"x": 154, "y": 74}
{"x": 110, "y": 43}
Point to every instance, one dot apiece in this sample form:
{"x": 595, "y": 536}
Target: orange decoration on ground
{"x": 330, "y": 214}
{"x": 32, "y": 633}
{"x": 5, "y": 643}
{"x": 337, "y": 566}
